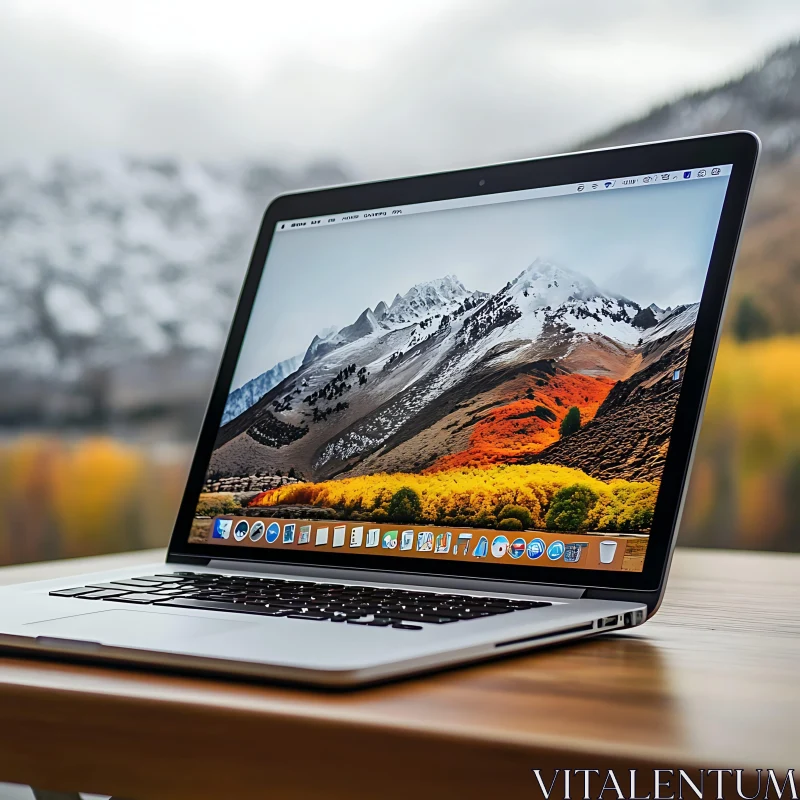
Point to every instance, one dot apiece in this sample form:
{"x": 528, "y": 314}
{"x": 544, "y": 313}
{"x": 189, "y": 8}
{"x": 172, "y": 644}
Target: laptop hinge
{"x": 198, "y": 561}
{"x": 401, "y": 578}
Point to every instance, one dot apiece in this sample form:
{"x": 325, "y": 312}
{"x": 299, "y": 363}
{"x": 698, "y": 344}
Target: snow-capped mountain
{"x": 364, "y": 390}
{"x": 427, "y": 300}
{"x": 239, "y": 400}
{"x": 546, "y": 297}
{"x": 422, "y": 305}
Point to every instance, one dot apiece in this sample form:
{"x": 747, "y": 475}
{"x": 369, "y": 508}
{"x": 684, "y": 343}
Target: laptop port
{"x": 628, "y": 619}
{"x": 607, "y": 622}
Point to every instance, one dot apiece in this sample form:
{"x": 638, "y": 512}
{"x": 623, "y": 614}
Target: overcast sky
{"x": 651, "y": 244}
{"x": 384, "y": 88}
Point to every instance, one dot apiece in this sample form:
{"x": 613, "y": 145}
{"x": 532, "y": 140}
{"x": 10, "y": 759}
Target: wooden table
{"x": 712, "y": 681}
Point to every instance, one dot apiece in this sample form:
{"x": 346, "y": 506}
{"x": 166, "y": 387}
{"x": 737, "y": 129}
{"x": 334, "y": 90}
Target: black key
{"x": 165, "y": 579}
{"x": 283, "y": 601}
{"x": 123, "y": 587}
{"x": 276, "y": 608}
{"x": 140, "y": 581}
{"x": 236, "y": 608}
{"x": 76, "y": 592}
{"x": 319, "y": 617}
{"x": 217, "y": 598}
{"x": 520, "y": 605}
{"x": 102, "y": 594}
{"x": 380, "y": 623}
{"x": 403, "y": 626}
{"x": 135, "y": 583}
{"x": 138, "y": 597}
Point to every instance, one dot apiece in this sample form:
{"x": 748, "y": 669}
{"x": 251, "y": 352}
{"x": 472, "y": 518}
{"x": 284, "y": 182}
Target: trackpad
{"x": 155, "y": 631}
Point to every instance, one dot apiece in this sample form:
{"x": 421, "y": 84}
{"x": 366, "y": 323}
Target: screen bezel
{"x": 739, "y": 149}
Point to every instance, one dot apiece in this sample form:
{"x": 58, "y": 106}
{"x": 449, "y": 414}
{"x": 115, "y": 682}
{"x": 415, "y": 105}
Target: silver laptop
{"x": 454, "y": 420}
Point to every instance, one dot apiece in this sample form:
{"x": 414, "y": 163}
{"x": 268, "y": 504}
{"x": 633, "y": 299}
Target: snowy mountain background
{"x": 118, "y": 275}
{"x": 765, "y": 99}
{"x": 110, "y": 265}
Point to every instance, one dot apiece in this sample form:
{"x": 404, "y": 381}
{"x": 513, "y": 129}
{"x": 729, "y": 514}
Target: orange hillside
{"x": 528, "y": 425}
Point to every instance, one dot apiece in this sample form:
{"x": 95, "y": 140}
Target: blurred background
{"x": 141, "y": 142}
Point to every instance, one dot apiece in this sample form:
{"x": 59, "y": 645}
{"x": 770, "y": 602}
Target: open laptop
{"x": 454, "y": 419}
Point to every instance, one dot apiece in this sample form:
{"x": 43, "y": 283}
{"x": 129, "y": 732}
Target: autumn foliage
{"x": 78, "y": 497}
{"x": 471, "y": 496}
{"x": 528, "y": 425}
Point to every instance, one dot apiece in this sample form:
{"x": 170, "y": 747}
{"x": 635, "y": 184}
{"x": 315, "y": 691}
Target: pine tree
{"x": 571, "y": 422}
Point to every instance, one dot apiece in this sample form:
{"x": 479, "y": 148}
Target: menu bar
{"x": 587, "y": 187}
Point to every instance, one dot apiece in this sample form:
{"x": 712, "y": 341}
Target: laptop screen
{"x": 488, "y": 378}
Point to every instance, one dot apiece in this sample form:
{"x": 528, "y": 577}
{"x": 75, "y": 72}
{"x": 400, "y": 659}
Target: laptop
{"x": 454, "y": 420}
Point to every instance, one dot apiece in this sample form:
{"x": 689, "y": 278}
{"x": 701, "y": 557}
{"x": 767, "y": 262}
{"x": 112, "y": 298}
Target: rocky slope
{"x": 629, "y": 436}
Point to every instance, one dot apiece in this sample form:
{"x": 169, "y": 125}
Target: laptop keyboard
{"x": 324, "y": 602}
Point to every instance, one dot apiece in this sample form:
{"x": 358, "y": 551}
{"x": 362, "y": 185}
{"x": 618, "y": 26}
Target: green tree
{"x": 405, "y": 506}
{"x": 516, "y": 512}
{"x": 571, "y": 422}
{"x": 750, "y": 321}
{"x": 509, "y": 524}
{"x": 570, "y": 507}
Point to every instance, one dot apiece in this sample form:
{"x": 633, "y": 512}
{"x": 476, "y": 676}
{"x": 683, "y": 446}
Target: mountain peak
{"x": 363, "y": 326}
{"x": 544, "y": 283}
{"x": 660, "y": 313}
{"x": 427, "y": 299}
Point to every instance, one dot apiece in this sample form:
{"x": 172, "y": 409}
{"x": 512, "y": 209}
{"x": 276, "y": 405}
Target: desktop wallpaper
{"x": 507, "y": 370}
